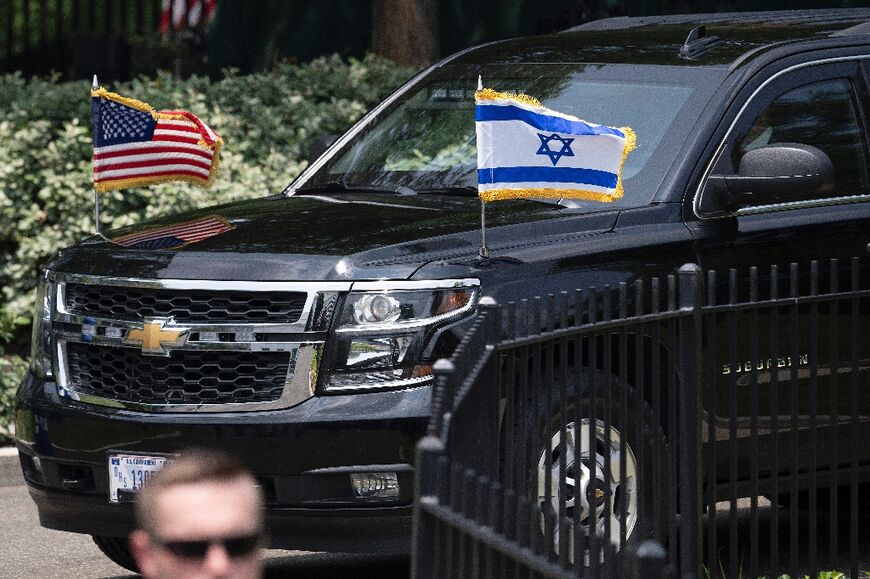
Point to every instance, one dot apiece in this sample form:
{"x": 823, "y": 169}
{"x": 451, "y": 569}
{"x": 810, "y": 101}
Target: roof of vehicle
{"x": 658, "y": 39}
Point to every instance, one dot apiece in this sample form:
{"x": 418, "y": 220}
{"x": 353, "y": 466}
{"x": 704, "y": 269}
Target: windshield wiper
{"x": 460, "y": 190}
{"x": 471, "y": 191}
{"x": 356, "y": 188}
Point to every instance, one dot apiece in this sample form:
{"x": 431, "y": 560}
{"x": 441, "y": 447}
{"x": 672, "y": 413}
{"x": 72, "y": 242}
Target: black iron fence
{"x": 115, "y": 39}
{"x": 698, "y": 425}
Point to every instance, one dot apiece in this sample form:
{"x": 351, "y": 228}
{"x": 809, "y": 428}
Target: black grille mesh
{"x": 185, "y": 377}
{"x": 185, "y": 306}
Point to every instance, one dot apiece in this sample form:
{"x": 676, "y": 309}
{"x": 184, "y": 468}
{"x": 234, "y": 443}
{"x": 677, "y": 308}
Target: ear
{"x": 141, "y": 549}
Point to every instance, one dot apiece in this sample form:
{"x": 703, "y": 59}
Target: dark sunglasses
{"x": 234, "y": 546}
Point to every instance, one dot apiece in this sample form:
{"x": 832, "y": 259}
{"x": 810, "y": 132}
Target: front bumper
{"x": 302, "y": 457}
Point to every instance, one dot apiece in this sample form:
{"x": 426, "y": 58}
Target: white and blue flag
{"x": 525, "y": 150}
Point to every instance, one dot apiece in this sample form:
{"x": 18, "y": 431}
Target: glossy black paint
{"x": 303, "y": 237}
{"x": 537, "y": 249}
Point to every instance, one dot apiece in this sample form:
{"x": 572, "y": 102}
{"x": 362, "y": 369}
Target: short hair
{"x": 192, "y": 466}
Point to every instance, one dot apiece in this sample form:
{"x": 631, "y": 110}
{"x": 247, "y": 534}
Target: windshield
{"x": 425, "y": 143}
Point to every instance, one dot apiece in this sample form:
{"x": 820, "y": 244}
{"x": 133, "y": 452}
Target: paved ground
{"x": 30, "y": 551}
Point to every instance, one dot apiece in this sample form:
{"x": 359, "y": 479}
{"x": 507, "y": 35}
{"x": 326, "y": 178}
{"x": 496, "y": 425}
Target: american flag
{"x": 176, "y": 235}
{"x": 181, "y": 14}
{"x": 135, "y": 145}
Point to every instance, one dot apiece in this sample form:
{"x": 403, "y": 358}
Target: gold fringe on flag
{"x": 143, "y": 181}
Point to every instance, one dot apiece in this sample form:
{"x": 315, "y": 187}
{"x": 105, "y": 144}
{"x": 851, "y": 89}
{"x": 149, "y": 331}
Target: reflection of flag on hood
{"x": 176, "y": 235}
{"x": 135, "y": 145}
{"x": 525, "y": 150}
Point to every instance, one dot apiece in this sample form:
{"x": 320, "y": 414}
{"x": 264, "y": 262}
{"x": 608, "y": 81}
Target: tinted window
{"x": 426, "y": 141}
{"x": 823, "y": 115}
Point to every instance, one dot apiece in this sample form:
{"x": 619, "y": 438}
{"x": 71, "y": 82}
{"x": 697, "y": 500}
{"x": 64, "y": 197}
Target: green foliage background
{"x": 267, "y": 121}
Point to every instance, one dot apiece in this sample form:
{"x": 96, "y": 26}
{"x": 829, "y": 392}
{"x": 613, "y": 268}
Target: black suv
{"x": 302, "y": 337}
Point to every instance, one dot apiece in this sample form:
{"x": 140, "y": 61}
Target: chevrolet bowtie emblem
{"x": 154, "y": 339}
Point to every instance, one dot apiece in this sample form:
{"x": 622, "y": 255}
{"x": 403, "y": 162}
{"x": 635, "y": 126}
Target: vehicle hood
{"x": 323, "y": 236}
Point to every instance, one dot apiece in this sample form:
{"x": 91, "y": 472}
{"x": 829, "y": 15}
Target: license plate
{"x": 130, "y": 472}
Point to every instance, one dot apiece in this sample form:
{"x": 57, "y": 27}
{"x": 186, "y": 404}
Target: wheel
{"x": 585, "y": 462}
{"x": 118, "y": 550}
{"x": 624, "y": 491}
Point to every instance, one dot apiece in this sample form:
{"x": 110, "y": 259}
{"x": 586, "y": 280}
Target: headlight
{"x": 376, "y": 309}
{"x": 381, "y": 334}
{"x": 40, "y": 343}
{"x": 397, "y": 309}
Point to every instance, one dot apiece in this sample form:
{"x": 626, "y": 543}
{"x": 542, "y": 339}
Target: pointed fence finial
{"x": 479, "y": 82}
{"x": 95, "y": 85}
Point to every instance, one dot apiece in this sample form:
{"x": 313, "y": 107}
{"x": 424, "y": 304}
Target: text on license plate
{"x": 130, "y": 472}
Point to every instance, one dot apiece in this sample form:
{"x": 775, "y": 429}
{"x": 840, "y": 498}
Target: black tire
{"x": 118, "y": 550}
{"x": 637, "y": 430}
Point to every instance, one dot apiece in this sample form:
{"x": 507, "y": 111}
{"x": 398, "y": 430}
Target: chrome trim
{"x": 807, "y": 204}
{"x": 304, "y": 340}
{"x": 263, "y": 286}
{"x": 356, "y": 468}
{"x": 40, "y": 322}
{"x": 401, "y": 286}
{"x": 60, "y": 360}
{"x": 696, "y": 201}
{"x": 370, "y": 387}
{"x": 411, "y": 324}
{"x": 263, "y": 328}
{"x": 299, "y": 386}
{"x": 316, "y": 293}
{"x": 191, "y": 345}
{"x": 203, "y": 284}
{"x": 415, "y": 285}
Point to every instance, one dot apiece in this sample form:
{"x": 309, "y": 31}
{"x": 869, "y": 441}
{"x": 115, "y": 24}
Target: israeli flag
{"x": 525, "y": 150}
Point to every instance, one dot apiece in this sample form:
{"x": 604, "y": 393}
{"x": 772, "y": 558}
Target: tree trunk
{"x": 406, "y": 31}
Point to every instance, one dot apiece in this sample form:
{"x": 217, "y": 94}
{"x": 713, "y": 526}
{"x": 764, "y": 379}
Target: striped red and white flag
{"x": 134, "y": 145}
{"x": 181, "y": 14}
{"x": 176, "y": 235}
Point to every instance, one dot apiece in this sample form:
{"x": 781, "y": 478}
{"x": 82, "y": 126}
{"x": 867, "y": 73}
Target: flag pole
{"x": 95, "y": 85}
{"x": 484, "y": 251}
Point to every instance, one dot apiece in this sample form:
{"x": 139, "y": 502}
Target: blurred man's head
{"x": 201, "y": 516}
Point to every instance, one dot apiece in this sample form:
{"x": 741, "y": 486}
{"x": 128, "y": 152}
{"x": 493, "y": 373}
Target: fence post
{"x": 492, "y": 322}
{"x": 429, "y": 448}
{"x": 689, "y": 447}
{"x": 442, "y": 395}
{"x": 488, "y": 384}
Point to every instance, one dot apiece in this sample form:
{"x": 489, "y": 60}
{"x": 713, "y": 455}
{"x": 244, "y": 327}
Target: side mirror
{"x": 319, "y": 146}
{"x": 772, "y": 174}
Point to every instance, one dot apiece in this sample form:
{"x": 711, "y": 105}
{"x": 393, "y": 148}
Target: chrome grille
{"x": 183, "y": 345}
{"x": 184, "y": 377}
{"x": 185, "y": 306}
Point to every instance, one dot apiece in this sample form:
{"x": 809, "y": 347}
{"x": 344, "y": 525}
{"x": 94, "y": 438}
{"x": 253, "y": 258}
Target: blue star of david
{"x": 564, "y": 151}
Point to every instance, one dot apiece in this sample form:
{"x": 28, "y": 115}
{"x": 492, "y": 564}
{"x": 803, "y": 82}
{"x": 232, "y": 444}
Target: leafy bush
{"x": 267, "y": 121}
{"x": 12, "y": 370}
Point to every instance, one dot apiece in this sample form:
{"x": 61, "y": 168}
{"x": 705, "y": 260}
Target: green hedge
{"x": 12, "y": 370}
{"x": 46, "y": 201}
